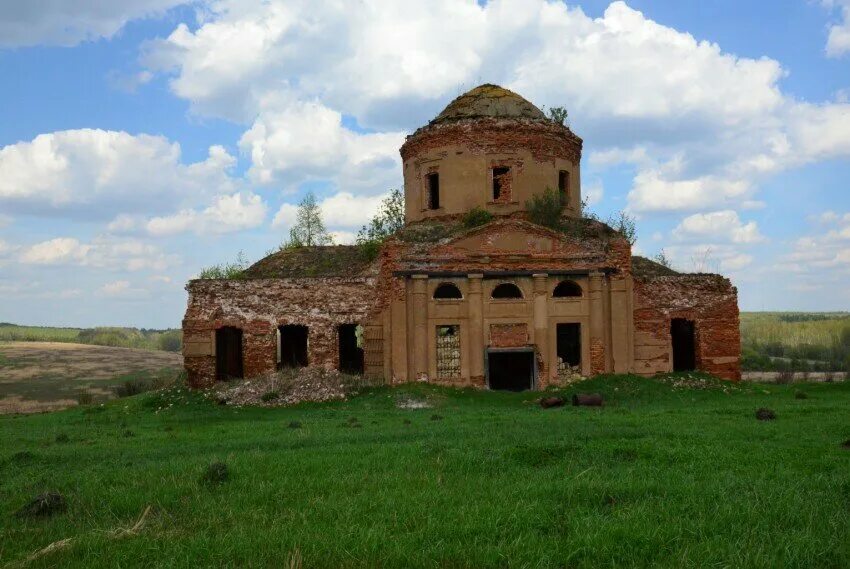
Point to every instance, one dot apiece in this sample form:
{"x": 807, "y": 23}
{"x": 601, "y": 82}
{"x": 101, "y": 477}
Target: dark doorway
{"x": 228, "y": 353}
{"x": 510, "y": 370}
{"x": 293, "y": 346}
{"x": 684, "y": 353}
{"x": 350, "y": 354}
{"x": 569, "y": 343}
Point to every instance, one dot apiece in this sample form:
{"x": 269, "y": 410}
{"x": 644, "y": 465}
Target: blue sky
{"x": 142, "y": 140}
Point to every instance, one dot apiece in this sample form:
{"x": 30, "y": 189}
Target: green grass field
{"x": 662, "y": 476}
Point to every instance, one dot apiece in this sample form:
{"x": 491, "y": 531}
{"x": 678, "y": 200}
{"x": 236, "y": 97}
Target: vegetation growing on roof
{"x": 234, "y": 270}
{"x": 558, "y": 115}
{"x": 477, "y": 216}
{"x": 317, "y": 261}
{"x": 387, "y": 221}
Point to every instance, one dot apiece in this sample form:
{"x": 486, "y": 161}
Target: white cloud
{"x": 703, "y": 127}
{"x": 96, "y": 173}
{"x": 115, "y": 288}
{"x": 101, "y": 252}
{"x": 226, "y": 215}
{"x": 718, "y": 225}
{"x": 822, "y": 252}
{"x": 123, "y": 289}
{"x": 56, "y": 251}
{"x": 307, "y": 140}
{"x": 709, "y": 258}
{"x": 68, "y": 22}
{"x": 838, "y": 41}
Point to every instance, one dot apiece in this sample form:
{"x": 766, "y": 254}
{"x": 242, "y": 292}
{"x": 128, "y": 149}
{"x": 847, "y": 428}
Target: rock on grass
{"x": 549, "y": 402}
{"x": 765, "y": 414}
{"x": 43, "y": 505}
{"x": 215, "y": 474}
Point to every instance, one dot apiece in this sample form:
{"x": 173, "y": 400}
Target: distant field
{"x": 140, "y": 338}
{"x": 799, "y": 341}
{"x": 663, "y": 475}
{"x": 43, "y": 376}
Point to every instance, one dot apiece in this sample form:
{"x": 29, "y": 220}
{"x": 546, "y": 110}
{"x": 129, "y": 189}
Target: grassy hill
{"x": 664, "y": 475}
{"x": 168, "y": 340}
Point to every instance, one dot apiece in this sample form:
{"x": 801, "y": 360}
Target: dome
{"x": 489, "y": 101}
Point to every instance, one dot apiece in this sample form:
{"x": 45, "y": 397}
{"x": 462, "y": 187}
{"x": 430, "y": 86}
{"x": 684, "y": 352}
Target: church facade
{"x": 500, "y": 303}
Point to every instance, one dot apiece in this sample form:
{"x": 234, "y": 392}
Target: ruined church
{"x": 491, "y": 301}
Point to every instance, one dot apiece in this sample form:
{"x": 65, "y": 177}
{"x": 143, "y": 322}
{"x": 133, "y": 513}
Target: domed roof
{"x": 489, "y": 101}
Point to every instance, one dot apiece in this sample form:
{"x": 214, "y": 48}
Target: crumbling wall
{"x": 259, "y": 306}
{"x": 710, "y": 301}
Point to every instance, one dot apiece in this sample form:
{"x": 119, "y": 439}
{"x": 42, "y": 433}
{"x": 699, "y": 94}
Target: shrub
{"x": 215, "y": 474}
{"x": 476, "y": 216}
{"x": 43, "y": 505}
{"x": 131, "y": 387}
{"x": 269, "y": 396}
{"x": 85, "y": 398}
{"x": 170, "y": 341}
{"x": 785, "y": 376}
{"x": 800, "y": 395}
{"x": 765, "y": 414}
{"x": 62, "y": 438}
{"x": 545, "y": 209}
{"x": 388, "y": 220}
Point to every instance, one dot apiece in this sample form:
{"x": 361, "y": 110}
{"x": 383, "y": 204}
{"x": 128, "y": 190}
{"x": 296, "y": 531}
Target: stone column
{"x": 474, "y": 302}
{"x": 420, "y": 326}
{"x": 541, "y": 326}
{"x": 597, "y": 324}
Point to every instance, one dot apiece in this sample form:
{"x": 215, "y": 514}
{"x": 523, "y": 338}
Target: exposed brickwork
{"x": 710, "y": 301}
{"x": 508, "y": 335}
{"x": 544, "y": 139}
{"x": 258, "y": 306}
{"x": 597, "y": 356}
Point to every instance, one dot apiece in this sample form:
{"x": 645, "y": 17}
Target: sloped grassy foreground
{"x": 668, "y": 473}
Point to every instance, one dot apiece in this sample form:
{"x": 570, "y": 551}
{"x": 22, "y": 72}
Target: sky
{"x": 143, "y": 140}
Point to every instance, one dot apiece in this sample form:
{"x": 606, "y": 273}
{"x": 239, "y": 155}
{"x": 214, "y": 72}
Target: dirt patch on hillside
{"x": 44, "y": 376}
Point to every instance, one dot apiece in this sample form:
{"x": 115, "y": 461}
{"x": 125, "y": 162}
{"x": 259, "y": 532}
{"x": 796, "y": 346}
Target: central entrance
{"x": 511, "y": 369}
{"x": 684, "y": 353}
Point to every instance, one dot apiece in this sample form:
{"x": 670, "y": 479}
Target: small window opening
{"x": 568, "y": 348}
{"x": 448, "y": 351}
{"x": 564, "y": 184}
{"x": 507, "y": 290}
{"x": 350, "y": 348}
{"x": 447, "y": 290}
{"x": 433, "y": 190}
{"x": 567, "y": 289}
{"x": 293, "y": 346}
{"x": 228, "y": 353}
{"x": 684, "y": 347}
{"x": 500, "y": 178}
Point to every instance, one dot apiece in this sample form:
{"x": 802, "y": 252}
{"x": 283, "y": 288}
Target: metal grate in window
{"x": 448, "y": 351}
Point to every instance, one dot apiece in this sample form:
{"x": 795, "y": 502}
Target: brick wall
{"x": 710, "y": 301}
{"x": 259, "y": 306}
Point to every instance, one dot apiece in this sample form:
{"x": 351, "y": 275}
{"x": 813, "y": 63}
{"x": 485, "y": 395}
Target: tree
{"x": 309, "y": 230}
{"x": 662, "y": 259}
{"x": 388, "y": 220}
{"x": 624, "y": 224}
{"x": 558, "y": 114}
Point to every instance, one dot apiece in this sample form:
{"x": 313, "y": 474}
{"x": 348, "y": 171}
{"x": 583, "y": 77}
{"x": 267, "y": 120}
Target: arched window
{"x": 507, "y": 290}
{"x": 447, "y": 290}
{"x": 566, "y": 289}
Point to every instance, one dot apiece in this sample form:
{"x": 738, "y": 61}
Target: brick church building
{"x": 507, "y": 304}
